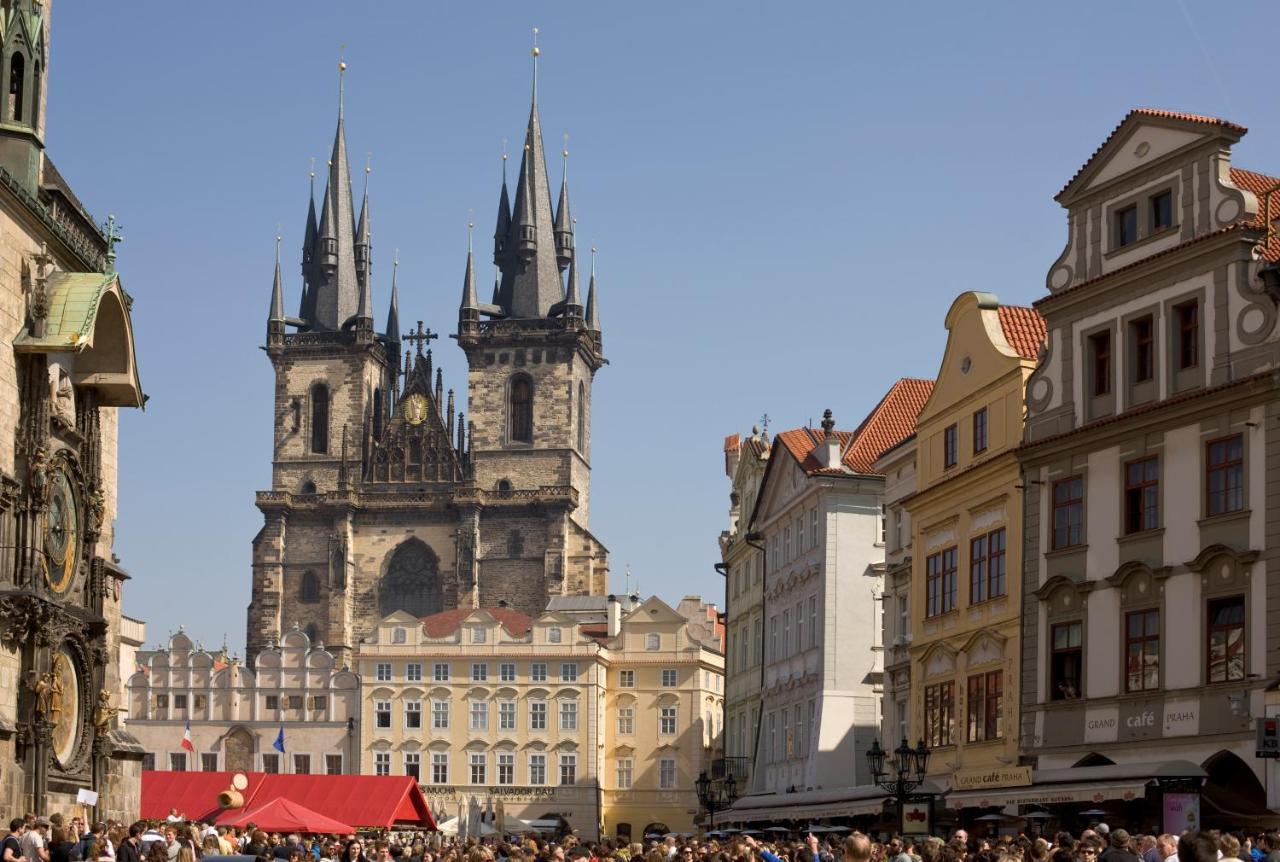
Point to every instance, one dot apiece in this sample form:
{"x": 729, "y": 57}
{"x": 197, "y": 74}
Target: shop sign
{"x": 1140, "y": 719}
{"x": 916, "y": 819}
{"x": 1000, "y": 776}
{"x": 1100, "y": 724}
{"x": 1182, "y": 718}
{"x": 1181, "y": 812}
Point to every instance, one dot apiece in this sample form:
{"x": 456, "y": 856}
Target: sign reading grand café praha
{"x": 997, "y": 776}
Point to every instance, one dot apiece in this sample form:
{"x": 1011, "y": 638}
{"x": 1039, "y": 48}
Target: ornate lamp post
{"x": 906, "y": 773}
{"x": 716, "y": 796}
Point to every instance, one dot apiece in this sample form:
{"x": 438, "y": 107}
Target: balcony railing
{"x": 738, "y": 767}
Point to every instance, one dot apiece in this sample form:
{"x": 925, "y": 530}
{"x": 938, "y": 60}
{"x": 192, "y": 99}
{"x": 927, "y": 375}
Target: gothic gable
{"x": 417, "y": 444}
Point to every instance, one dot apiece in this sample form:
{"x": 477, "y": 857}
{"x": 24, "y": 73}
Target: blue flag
{"x": 278, "y": 745}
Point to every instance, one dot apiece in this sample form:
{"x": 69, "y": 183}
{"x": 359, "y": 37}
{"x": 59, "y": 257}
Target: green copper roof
{"x": 73, "y": 306}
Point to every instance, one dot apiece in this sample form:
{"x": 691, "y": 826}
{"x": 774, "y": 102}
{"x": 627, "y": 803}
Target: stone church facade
{"x": 69, "y": 368}
{"x": 385, "y": 496}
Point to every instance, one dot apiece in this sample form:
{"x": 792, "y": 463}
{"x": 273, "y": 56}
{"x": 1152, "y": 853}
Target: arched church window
{"x": 320, "y": 419}
{"x": 412, "y": 581}
{"x": 308, "y": 487}
{"x": 309, "y": 590}
{"x": 504, "y": 485}
{"x": 582, "y": 418}
{"x": 522, "y": 409}
{"x": 17, "y": 78}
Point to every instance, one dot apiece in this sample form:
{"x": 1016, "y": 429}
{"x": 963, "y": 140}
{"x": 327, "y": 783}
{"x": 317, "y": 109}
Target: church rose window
{"x": 412, "y": 582}
{"x": 522, "y": 409}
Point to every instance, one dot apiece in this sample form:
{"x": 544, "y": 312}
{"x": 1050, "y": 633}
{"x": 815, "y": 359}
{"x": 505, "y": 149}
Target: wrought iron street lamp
{"x": 716, "y": 795}
{"x": 907, "y": 769}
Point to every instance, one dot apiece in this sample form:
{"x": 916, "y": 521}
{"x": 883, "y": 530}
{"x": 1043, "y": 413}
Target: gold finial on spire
{"x": 342, "y": 73}
{"x": 471, "y": 227}
{"x": 535, "y": 52}
{"x": 279, "y": 238}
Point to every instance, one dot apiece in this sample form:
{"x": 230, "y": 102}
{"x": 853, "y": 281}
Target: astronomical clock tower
{"x": 69, "y": 366}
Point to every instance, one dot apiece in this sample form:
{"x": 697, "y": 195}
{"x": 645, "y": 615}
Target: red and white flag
{"x": 186, "y": 739}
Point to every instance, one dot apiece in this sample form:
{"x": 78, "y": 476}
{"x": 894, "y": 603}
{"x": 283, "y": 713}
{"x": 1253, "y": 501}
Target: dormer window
{"x": 1126, "y": 226}
{"x": 1161, "y": 211}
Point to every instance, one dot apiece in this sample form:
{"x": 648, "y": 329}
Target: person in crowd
{"x": 61, "y": 846}
{"x": 130, "y": 849}
{"x": 35, "y": 841}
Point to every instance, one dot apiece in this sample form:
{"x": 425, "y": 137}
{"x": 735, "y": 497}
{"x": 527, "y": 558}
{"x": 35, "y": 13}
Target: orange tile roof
{"x": 1259, "y": 184}
{"x": 757, "y": 446}
{"x": 1159, "y": 113}
{"x": 446, "y": 622}
{"x": 1024, "y": 329}
{"x": 890, "y": 422}
{"x": 732, "y": 443}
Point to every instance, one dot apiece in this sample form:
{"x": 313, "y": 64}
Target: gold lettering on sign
{"x": 999, "y": 776}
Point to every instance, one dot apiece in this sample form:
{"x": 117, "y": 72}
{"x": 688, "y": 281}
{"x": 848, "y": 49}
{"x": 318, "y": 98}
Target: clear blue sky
{"x": 786, "y": 198}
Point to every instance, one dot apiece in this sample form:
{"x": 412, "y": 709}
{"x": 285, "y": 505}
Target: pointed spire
{"x": 363, "y": 255}
{"x": 277, "y": 293}
{"x": 336, "y": 293}
{"x": 564, "y": 220}
{"x": 439, "y": 388}
{"x": 593, "y": 308}
{"x": 503, "y": 227}
{"x": 469, "y": 310}
{"x": 305, "y": 310}
{"x": 573, "y": 299}
{"x": 462, "y": 432}
{"x": 497, "y": 284}
{"x": 449, "y": 413}
{"x": 393, "y": 313}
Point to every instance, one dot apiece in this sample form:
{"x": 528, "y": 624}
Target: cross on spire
{"x": 764, "y": 424}
{"x": 421, "y": 337}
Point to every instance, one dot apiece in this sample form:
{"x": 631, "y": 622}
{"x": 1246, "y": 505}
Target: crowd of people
{"x": 55, "y": 839}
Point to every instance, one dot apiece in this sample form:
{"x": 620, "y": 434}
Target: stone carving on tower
{"x": 428, "y": 506}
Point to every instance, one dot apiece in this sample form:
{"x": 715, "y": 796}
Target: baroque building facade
{"x": 71, "y": 366}
{"x": 384, "y": 496}
{"x": 1151, "y": 454}
{"x": 601, "y": 725}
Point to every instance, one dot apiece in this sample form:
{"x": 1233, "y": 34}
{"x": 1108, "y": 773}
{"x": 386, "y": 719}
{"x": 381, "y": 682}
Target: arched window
{"x": 412, "y": 582}
{"x": 522, "y": 409}
{"x": 582, "y": 418}
{"x": 504, "y": 485}
{"x": 308, "y": 487}
{"x": 17, "y": 80}
{"x": 320, "y": 419}
{"x": 309, "y": 590}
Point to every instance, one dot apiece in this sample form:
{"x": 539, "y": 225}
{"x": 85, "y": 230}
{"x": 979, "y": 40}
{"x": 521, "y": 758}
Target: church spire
{"x": 504, "y": 216}
{"x": 275, "y": 319}
{"x": 309, "y": 246}
{"x": 470, "y": 308}
{"x": 564, "y": 221}
{"x": 335, "y": 295}
{"x": 393, "y": 313}
{"x": 363, "y": 259}
{"x": 593, "y": 308}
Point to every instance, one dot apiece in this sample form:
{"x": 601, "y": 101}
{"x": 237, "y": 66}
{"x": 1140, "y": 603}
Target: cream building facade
{"x": 235, "y": 714}
{"x": 965, "y": 598}
{"x": 898, "y": 466}
{"x": 605, "y": 726}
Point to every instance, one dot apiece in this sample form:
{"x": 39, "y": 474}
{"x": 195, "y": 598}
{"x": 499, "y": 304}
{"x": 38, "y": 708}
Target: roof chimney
{"x": 615, "y": 617}
{"x": 827, "y": 452}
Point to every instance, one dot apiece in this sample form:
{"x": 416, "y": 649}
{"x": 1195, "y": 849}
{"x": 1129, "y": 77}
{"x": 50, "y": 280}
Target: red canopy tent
{"x": 285, "y": 815}
{"x": 360, "y": 800}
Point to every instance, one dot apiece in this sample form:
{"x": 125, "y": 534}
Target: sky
{"x": 786, "y": 199}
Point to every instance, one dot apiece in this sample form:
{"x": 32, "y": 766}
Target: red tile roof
{"x": 1258, "y": 184}
{"x": 1159, "y": 113}
{"x": 890, "y": 422}
{"x": 1024, "y": 329}
{"x": 446, "y": 622}
{"x": 732, "y": 443}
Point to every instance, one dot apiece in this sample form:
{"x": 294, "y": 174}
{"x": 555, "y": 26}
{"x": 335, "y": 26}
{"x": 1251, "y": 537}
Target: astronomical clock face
{"x": 62, "y": 532}
{"x": 415, "y": 409}
{"x": 64, "y": 706}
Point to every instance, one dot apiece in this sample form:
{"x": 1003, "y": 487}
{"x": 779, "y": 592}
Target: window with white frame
{"x": 813, "y": 527}
{"x": 626, "y": 679}
{"x": 507, "y": 671}
{"x": 813, "y": 621}
{"x": 479, "y": 672}
{"x": 568, "y": 715}
{"x": 382, "y": 714}
{"x": 399, "y": 636}
{"x": 479, "y": 715}
{"x": 413, "y": 671}
{"x": 412, "y": 714}
{"x": 626, "y": 720}
{"x": 479, "y": 635}
{"x": 626, "y": 772}
{"x": 477, "y": 762}
{"x": 773, "y": 638}
{"x": 537, "y": 715}
{"x": 554, "y": 635}
{"x": 441, "y": 672}
{"x": 538, "y": 671}
{"x": 382, "y": 763}
{"x": 271, "y": 763}
{"x": 667, "y": 774}
{"x": 568, "y": 770}
{"x": 506, "y": 715}
{"x": 440, "y": 714}
{"x": 413, "y": 764}
{"x": 800, "y": 644}
{"x": 506, "y": 767}
{"x": 569, "y": 671}
{"x": 537, "y": 769}
{"x": 669, "y": 677}
{"x": 384, "y": 671}
{"x": 667, "y": 721}
{"x": 653, "y": 641}
{"x": 439, "y": 767}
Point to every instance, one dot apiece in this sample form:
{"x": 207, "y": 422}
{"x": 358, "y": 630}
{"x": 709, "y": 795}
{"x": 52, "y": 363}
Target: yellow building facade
{"x": 966, "y": 523}
{"x": 602, "y": 723}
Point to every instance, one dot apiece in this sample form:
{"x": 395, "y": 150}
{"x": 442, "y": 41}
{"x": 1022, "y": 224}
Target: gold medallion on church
{"x": 415, "y": 409}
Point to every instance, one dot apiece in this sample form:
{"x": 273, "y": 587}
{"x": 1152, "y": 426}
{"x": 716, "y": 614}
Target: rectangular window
{"x": 295, "y": 701}
{"x": 626, "y": 720}
{"x": 986, "y": 566}
{"x": 568, "y": 715}
{"x": 786, "y": 633}
{"x": 1142, "y": 495}
{"x": 382, "y": 714}
{"x": 413, "y": 714}
{"x": 569, "y": 672}
{"x": 1225, "y": 652}
{"x": 538, "y": 671}
{"x": 786, "y": 543}
{"x": 978, "y": 570}
{"x": 506, "y": 767}
{"x": 939, "y": 714}
{"x": 1142, "y": 650}
{"x": 995, "y": 563}
{"x": 626, "y": 773}
{"x": 441, "y": 672}
{"x": 980, "y": 431}
{"x": 333, "y": 764}
{"x": 986, "y": 706}
{"x": 506, "y": 715}
{"x": 440, "y": 714}
{"x": 208, "y": 762}
{"x": 568, "y": 770}
{"x": 537, "y": 715}
{"x": 813, "y": 621}
{"x": 799, "y": 626}
{"x": 478, "y": 635}
{"x": 1224, "y": 475}
{"x": 1126, "y": 229}
{"x": 479, "y": 673}
{"x": 666, "y": 773}
{"x": 1100, "y": 360}
{"x": 1066, "y": 660}
{"x": 178, "y": 761}
{"x": 384, "y": 671}
{"x": 507, "y": 671}
{"x": 667, "y": 721}
{"x": 1161, "y": 211}
{"x": 884, "y": 523}
{"x": 382, "y": 763}
{"x": 813, "y": 527}
{"x": 162, "y": 701}
{"x": 477, "y": 761}
{"x": 439, "y": 767}
{"x": 413, "y": 765}
{"x": 271, "y": 763}
{"x": 773, "y": 638}
{"x": 626, "y": 679}
{"x": 413, "y": 671}
{"x": 179, "y": 701}
{"x": 940, "y": 582}
{"x": 1188, "y": 317}
{"x": 950, "y": 446}
{"x": 199, "y": 701}
{"x": 479, "y": 715}
{"x": 319, "y": 701}
{"x": 273, "y": 701}
{"x": 1068, "y": 512}
{"x": 537, "y": 769}
{"x": 1141, "y": 333}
